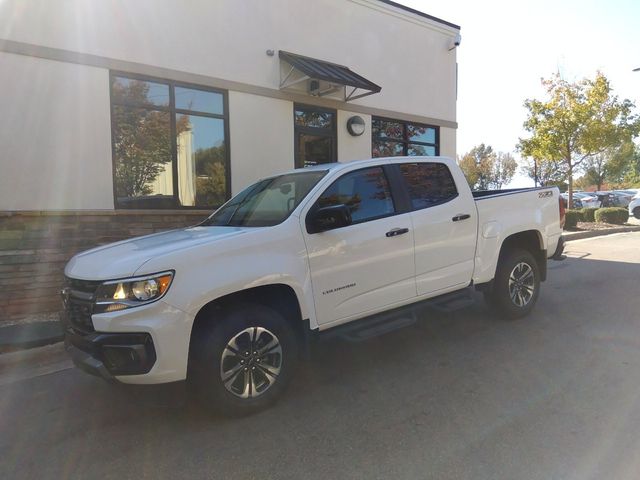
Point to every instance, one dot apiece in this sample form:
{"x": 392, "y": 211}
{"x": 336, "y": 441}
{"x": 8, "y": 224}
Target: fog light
{"x": 124, "y": 358}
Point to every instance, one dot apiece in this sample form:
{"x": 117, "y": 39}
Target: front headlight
{"x": 131, "y": 292}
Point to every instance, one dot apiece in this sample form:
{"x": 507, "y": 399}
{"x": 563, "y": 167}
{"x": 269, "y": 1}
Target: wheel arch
{"x": 530, "y": 240}
{"x": 279, "y": 297}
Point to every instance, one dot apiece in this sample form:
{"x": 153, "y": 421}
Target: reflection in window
{"x": 201, "y": 160}
{"x": 154, "y": 169}
{"x": 388, "y": 149}
{"x": 394, "y": 138}
{"x": 429, "y": 183}
{"x": 421, "y": 150}
{"x": 314, "y": 149}
{"x": 313, "y": 118}
{"x": 142, "y": 151}
{"x": 199, "y": 100}
{"x": 143, "y": 93}
{"x": 365, "y": 192}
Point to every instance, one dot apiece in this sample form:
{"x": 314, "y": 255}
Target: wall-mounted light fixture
{"x": 355, "y": 126}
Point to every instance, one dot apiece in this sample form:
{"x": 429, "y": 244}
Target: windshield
{"x": 267, "y": 202}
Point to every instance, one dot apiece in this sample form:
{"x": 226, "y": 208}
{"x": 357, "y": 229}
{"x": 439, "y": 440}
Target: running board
{"x": 451, "y": 302}
{"x": 386, "y": 322}
{"x": 377, "y": 328}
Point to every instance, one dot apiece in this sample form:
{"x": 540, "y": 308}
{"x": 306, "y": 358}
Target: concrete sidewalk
{"x": 568, "y": 236}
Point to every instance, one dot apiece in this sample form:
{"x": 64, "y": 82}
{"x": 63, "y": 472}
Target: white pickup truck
{"x": 230, "y": 304}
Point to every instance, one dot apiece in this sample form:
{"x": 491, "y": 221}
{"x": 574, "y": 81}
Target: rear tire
{"x": 516, "y": 285}
{"x": 636, "y": 212}
{"x": 243, "y": 361}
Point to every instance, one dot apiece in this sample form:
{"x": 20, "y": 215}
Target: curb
{"x": 568, "y": 237}
{"x": 29, "y": 335}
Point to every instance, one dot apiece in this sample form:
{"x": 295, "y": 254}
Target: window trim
{"x": 173, "y": 111}
{"x": 408, "y": 190}
{"x": 388, "y": 177}
{"x": 325, "y": 132}
{"x": 404, "y": 141}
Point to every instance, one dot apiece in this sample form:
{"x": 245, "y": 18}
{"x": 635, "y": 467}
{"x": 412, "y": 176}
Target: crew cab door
{"x": 365, "y": 266}
{"x": 445, "y": 222}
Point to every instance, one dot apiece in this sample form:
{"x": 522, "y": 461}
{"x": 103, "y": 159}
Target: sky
{"x": 507, "y": 47}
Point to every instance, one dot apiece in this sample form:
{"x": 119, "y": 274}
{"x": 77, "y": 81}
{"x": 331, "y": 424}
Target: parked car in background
{"x": 588, "y": 200}
{"x": 623, "y": 197}
{"x": 576, "y": 201}
{"x": 607, "y": 199}
{"x": 581, "y": 200}
{"x": 634, "y": 206}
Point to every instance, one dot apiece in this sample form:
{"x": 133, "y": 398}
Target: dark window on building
{"x": 365, "y": 192}
{"x": 315, "y": 135}
{"x": 428, "y": 183}
{"x": 394, "y": 138}
{"x": 170, "y": 144}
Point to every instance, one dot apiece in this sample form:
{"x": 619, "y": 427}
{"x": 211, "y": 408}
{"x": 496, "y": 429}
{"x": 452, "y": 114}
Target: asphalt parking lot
{"x": 456, "y": 396}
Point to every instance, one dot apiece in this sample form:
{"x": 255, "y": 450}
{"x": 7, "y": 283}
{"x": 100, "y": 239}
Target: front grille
{"x": 79, "y": 304}
{"x": 84, "y": 286}
{"x": 79, "y": 315}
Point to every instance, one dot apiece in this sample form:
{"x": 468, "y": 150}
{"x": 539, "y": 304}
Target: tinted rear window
{"x": 428, "y": 184}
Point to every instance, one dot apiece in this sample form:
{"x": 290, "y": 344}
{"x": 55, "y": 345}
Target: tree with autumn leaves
{"x": 486, "y": 169}
{"x": 579, "y": 127}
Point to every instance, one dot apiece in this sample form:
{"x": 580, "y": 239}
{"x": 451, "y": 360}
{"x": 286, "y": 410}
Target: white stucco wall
{"x": 55, "y": 135}
{"x": 261, "y": 138}
{"x": 55, "y": 130}
{"x": 349, "y": 147}
{"x": 448, "y": 142}
{"x": 407, "y": 55}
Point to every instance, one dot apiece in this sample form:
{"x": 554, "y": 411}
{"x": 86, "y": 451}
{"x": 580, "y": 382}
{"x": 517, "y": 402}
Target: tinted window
{"x": 393, "y": 138}
{"x": 315, "y": 135}
{"x": 165, "y": 154}
{"x": 365, "y": 192}
{"x": 199, "y": 100}
{"x": 428, "y": 183}
{"x": 140, "y": 92}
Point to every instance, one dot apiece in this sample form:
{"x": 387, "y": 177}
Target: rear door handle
{"x": 396, "y": 231}
{"x": 461, "y": 216}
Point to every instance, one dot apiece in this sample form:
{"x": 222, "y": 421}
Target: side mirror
{"x": 328, "y": 218}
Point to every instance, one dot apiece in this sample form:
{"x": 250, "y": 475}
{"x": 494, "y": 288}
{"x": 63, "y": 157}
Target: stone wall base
{"x": 35, "y": 247}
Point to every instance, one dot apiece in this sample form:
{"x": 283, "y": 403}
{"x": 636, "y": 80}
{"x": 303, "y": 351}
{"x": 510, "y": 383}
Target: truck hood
{"x": 123, "y": 259}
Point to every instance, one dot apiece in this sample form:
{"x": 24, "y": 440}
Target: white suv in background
{"x": 634, "y": 206}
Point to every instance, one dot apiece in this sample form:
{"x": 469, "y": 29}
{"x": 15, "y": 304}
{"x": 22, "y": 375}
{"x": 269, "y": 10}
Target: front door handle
{"x": 461, "y": 216}
{"x": 394, "y": 232}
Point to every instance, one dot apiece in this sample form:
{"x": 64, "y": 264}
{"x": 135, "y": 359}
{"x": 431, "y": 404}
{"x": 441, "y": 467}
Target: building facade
{"x": 123, "y": 118}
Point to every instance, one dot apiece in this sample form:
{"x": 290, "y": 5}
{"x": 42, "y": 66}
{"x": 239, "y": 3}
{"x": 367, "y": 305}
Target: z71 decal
{"x": 548, "y": 193}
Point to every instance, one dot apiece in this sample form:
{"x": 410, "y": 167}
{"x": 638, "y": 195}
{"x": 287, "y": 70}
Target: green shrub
{"x": 588, "y": 214}
{"x": 572, "y": 217}
{"x": 615, "y": 215}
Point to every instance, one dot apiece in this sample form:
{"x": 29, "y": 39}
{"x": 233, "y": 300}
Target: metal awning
{"x": 321, "y": 78}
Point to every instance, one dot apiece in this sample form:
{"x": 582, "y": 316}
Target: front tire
{"x": 516, "y": 285}
{"x": 636, "y": 212}
{"x": 243, "y": 361}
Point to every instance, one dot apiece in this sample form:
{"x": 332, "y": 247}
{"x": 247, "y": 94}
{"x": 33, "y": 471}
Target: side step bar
{"x": 386, "y": 322}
